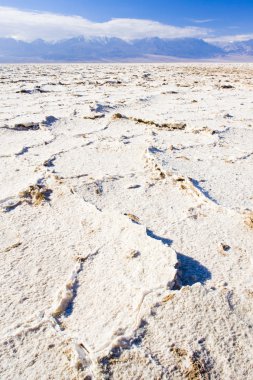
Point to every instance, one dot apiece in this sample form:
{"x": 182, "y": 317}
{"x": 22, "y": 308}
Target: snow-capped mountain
{"x": 238, "y": 47}
{"x": 242, "y": 48}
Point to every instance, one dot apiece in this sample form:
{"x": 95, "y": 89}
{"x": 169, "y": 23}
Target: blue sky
{"x": 220, "y": 17}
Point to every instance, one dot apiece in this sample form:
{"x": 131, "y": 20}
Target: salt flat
{"x": 126, "y": 224}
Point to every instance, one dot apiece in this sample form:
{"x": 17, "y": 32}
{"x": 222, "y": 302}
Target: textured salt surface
{"x": 126, "y": 222}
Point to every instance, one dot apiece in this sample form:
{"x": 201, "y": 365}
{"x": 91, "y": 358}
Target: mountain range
{"x": 239, "y": 47}
{"x": 81, "y": 49}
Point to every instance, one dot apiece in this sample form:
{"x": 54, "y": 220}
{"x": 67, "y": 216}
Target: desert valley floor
{"x": 126, "y": 221}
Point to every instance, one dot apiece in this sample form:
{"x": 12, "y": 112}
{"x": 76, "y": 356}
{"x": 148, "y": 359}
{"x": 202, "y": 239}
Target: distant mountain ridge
{"x": 108, "y": 49}
{"x": 80, "y": 49}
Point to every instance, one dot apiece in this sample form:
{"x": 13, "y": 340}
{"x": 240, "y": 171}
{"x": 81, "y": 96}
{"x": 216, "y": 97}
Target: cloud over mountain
{"x": 27, "y": 35}
{"x": 31, "y": 25}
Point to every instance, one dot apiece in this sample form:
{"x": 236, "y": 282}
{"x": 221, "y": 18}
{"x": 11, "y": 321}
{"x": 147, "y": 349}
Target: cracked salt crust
{"x": 118, "y": 272}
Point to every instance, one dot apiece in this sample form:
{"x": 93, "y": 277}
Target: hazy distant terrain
{"x": 116, "y": 49}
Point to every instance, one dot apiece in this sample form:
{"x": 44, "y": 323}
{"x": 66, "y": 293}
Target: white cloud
{"x": 30, "y": 25}
{"x": 230, "y": 39}
{"x": 203, "y": 21}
